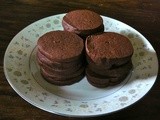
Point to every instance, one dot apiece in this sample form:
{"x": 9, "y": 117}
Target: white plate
{"x": 80, "y": 99}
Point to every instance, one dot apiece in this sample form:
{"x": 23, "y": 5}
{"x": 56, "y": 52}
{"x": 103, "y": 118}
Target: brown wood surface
{"x": 143, "y": 15}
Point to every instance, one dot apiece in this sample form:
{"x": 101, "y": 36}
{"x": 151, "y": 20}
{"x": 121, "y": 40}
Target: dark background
{"x": 143, "y": 15}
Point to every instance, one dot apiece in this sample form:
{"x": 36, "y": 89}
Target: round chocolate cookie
{"x": 42, "y": 60}
{"x": 62, "y": 74}
{"x": 108, "y": 64}
{"x": 60, "y": 71}
{"x": 64, "y": 81}
{"x": 103, "y": 81}
{"x": 60, "y": 46}
{"x": 108, "y": 49}
{"x": 83, "y": 22}
{"x": 113, "y": 72}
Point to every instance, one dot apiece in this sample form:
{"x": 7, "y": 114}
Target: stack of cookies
{"x": 83, "y": 23}
{"x": 63, "y": 60}
{"x": 60, "y": 56}
{"x": 109, "y": 58}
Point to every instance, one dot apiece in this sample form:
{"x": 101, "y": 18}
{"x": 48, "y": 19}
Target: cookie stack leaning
{"x": 109, "y": 59}
{"x": 60, "y": 56}
{"x": 83, "y": 23}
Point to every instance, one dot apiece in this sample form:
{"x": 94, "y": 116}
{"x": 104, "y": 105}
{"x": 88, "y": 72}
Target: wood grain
{"x": 143, "y": 15}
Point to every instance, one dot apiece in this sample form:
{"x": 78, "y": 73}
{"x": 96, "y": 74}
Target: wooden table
{"x": 143, "y": 15}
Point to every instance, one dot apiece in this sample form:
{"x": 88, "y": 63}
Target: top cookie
{"x": 83, "y": 22}
{"x": 108, "y": 47}
{"x": 60, "y": 46}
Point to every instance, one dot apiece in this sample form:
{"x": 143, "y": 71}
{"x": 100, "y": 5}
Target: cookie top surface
{"x": 60, "y": 45}
{"x": 83, "y": 19}
{"x": 108, "y": 45}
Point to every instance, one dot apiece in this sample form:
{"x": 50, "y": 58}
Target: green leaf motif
{"x": 56, "y": 21}
{"x": 25, "y": 82}
{"x": 83, "y": 106}
{"x": 141, "y": 54}
{"x": 20, "y": 52}
{"x": 17, "y": 73}
{"x": 123, "y": 98}
{"x": 9, "y": 69}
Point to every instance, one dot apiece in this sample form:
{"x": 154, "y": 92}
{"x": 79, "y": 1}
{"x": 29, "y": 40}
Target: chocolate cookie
{"x": 112, "y": 72}
{"x": 83, "y": 22}
{"x": 42, "y": 60}
{"x": 103, "y": 81}
{"x": 108, "y": 49}
{"x": 62, "y": 74}
{"x": 61, "y": 46}
{"x": 108, "y": 64}
{"x": 64, "y": 81}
